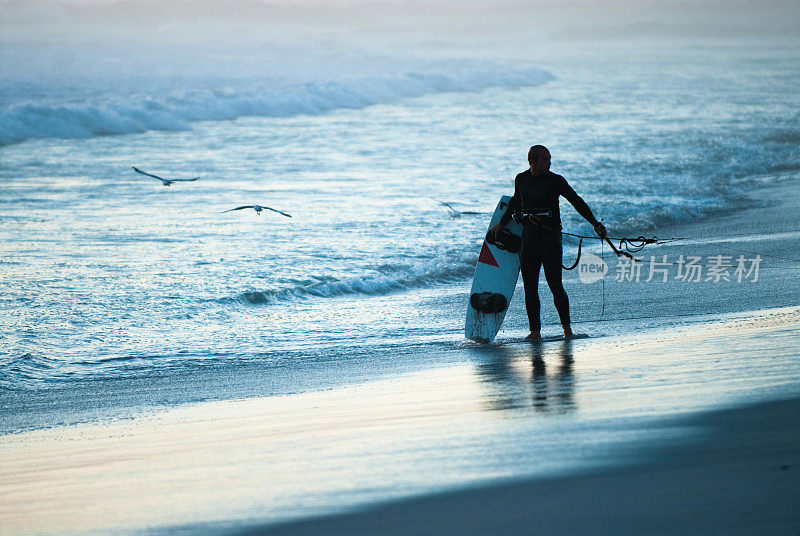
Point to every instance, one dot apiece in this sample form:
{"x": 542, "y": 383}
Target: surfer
{"x": 535, "y": 205}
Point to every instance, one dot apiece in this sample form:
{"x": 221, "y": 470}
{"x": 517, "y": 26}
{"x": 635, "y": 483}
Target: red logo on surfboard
{"x": 486, "y": 256}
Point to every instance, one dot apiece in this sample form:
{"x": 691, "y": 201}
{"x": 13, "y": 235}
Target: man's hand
{"x": 600, "y": 229}
{"x": 496, "y": 230}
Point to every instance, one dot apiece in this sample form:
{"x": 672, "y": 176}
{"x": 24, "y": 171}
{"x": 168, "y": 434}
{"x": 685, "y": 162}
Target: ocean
{"x": 228, "y": 367}
{"x": 111, "y": 279}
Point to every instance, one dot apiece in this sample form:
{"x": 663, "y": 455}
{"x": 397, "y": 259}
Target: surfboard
{"x": 495, "y": 279}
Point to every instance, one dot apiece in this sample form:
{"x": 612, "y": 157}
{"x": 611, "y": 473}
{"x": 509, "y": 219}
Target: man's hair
{"x": 535, "y": 151}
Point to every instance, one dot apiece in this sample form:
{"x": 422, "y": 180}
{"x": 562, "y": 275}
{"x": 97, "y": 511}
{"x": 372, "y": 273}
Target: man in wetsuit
{"x": 535, "y": 203}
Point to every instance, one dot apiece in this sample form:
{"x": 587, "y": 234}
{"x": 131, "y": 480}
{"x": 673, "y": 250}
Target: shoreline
{"x": 737, "y": 475}
{"x": 253, "y": 464}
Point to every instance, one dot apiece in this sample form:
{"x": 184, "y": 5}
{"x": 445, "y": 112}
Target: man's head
{"x": 539, "y": 159}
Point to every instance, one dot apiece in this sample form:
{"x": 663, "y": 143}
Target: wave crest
{"x": 388, "y": 279}
{"x": 176, "y": 111}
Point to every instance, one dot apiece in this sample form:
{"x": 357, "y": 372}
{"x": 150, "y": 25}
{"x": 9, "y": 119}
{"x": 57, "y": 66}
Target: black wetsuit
{"x": 541, "y": 242}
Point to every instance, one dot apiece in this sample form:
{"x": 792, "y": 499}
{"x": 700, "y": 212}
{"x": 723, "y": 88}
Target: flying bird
{"x": 165, "y": 182}
{"x": 258, "y": 209}
{"x": 453, "y": 212}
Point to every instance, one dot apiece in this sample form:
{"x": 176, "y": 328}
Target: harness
{"x": 543, "y": 219}
{"x": 537, "y": 217}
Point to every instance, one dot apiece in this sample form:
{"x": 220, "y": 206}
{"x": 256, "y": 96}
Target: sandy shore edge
{"x": 742, "y": 477}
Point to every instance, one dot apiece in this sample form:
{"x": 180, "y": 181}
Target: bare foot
{"x": 533, "y": 336}
{"x": 568, "y": 332}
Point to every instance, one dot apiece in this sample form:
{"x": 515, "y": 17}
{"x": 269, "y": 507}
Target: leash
{"x": 578, "y": 258}
{"x": 603, "y": 297}
{"x": 627, "y": 246}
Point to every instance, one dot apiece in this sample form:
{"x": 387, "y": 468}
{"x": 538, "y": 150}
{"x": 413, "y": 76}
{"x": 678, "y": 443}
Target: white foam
{"x": 175, "y": 110}
{"x": 448, "y": 268}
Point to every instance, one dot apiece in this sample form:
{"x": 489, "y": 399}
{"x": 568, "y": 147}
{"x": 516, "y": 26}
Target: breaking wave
{"x": 115, "y": 114}
{"x": 386, "y": 279}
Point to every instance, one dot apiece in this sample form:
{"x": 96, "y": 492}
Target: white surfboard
{"x": 496, "y": 274}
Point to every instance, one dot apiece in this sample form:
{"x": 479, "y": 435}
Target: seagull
{"x": 258, "y": 209}
{"x": 165, "y": 182}
{"x": 453, "y": 212}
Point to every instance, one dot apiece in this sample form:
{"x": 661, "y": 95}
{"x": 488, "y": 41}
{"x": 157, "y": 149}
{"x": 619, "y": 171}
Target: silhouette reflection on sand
{"x": 517, "y": 379}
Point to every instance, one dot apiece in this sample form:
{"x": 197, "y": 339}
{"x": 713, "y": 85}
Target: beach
{"x": 659, "y": 462}
{"x": 691, "y": 428}
{"x": 173, "y": 361}
{"x": 737, "y": 477}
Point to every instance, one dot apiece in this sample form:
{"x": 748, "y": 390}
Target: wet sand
{"x": 542, "y": 413}
{"x": 739, "y": 475}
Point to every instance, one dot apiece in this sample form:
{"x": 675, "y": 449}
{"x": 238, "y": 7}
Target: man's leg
{"x": 530, "y": 265}
{"x": 552, "y": 272}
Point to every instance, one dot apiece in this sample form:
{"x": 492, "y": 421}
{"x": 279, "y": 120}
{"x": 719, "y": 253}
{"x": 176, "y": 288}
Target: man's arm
{"x": 513, "y": 206}
{"x": 580, "y": 205}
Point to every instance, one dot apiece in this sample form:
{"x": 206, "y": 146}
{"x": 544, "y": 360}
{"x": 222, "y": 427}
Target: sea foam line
{"x": 175, "y": 111}
{"x": 445, "y": 269}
